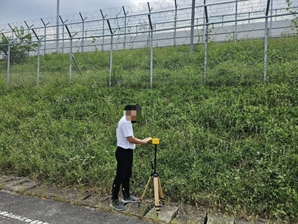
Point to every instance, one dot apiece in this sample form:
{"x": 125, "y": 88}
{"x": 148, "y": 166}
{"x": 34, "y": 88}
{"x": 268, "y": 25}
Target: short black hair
{"x": 132, "y": 107}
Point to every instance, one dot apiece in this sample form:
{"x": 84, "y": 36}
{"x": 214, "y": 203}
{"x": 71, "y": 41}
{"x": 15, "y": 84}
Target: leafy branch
{"x": 20, "y": 47}
{"x": 294, "y": 13}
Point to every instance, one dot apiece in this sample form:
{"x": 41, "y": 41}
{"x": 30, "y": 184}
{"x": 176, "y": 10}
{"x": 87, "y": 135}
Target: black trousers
{"x": 124, "y": 159}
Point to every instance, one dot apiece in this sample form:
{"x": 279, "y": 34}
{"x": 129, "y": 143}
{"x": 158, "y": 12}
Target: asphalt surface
{"x": 19, "y": 209}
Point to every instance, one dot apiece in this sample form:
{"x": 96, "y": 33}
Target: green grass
{"x": 230, "y": 144}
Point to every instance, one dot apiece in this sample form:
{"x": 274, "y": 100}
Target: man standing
{"x": 124, "y": 155}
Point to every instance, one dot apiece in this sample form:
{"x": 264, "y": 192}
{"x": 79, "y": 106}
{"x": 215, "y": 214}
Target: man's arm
{"x": 134, "y": 140}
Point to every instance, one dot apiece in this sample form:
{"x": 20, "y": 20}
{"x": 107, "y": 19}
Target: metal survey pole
{"x": 83, "y": 32}
{"x": 266, "y": 41}
{"x": 63, "y": 22}
{"x": 45, "y": 34}
{"x": 38, "y": 56}
{"x": 151, "y": 51}
{"x": 70, "y": 53}
{"x": 103, "y": 30}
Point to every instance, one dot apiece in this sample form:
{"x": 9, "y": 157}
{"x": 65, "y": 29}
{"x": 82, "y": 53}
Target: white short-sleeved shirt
{"x": 124, "y": 130}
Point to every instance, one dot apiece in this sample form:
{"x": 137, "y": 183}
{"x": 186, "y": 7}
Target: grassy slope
{"x": 229, "y": 144}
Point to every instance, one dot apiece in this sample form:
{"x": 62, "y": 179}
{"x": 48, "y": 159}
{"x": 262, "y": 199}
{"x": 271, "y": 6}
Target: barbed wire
{"x": 134, "y": 18}
{"x": 244, "y": 6}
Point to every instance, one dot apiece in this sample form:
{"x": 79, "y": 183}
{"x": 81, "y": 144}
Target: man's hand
{"x": 147, "y": 140}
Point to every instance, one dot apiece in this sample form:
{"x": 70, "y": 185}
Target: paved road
{"x": 19, "y": 209}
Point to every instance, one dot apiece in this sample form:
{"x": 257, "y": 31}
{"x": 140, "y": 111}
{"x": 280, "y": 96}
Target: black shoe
{"x": 130, "y": 199}
{"x": 117, "y": 205}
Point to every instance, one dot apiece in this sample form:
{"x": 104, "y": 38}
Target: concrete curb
{"x": 169, "y": 213}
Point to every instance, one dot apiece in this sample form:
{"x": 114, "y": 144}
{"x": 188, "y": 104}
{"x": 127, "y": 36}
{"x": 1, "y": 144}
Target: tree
{"x": 294, "y": 13}
{"x": 20, "y": 47}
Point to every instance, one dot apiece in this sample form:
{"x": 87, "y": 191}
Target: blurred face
{"x": 134, "y": 114}
{"x": 131, "y": 115}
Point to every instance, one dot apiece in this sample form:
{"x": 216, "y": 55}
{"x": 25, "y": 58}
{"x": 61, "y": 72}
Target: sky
{"x": 12, "y": 11}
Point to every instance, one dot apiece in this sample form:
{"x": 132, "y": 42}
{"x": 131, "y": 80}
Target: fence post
{"x": 111, "y": 53}
{"x": 175, "y": 23}
{"x": 266, "y": 41}
{"x": 8, "y": 62}
{"x": 206, "y": 41}
{"x": 70, "y": 53}
{"x": 38, "y": 56}
{"x": 151, "y": 51}
{"x": 12, "y": 31}
{"x": 8, "y": 58}
{"x": 192, "y": 25}
{"x": 271, "y": 18}
{"x": 29, "y": 27}
{"x": 236, "y": 17}
{"x": 8, "y": 65}
{"x": 83, "y": 32}
{"x": 45, "y": 34}
{"x": 57, "y": 27}
{"x": 149, "y": 34}
{"x": 103, "y": 30}
{"x": 125, "y": 15}
{"x": 63, "y": 22}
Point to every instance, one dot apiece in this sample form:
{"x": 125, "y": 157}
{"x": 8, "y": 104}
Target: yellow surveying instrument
{"x": 158, "y": 193}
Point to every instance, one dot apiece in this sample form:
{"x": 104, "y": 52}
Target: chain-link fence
{"x": 166, "y": 23}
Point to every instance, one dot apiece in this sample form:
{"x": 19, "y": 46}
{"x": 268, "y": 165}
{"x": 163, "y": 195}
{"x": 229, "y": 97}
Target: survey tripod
{"x": 158, "y": 193}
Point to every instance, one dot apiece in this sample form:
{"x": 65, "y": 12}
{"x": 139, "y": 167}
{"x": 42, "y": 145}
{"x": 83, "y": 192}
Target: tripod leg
{"x": 156, "y": 193}
{"x": 143, "y": 195}
{"x": 161, "y": 195}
